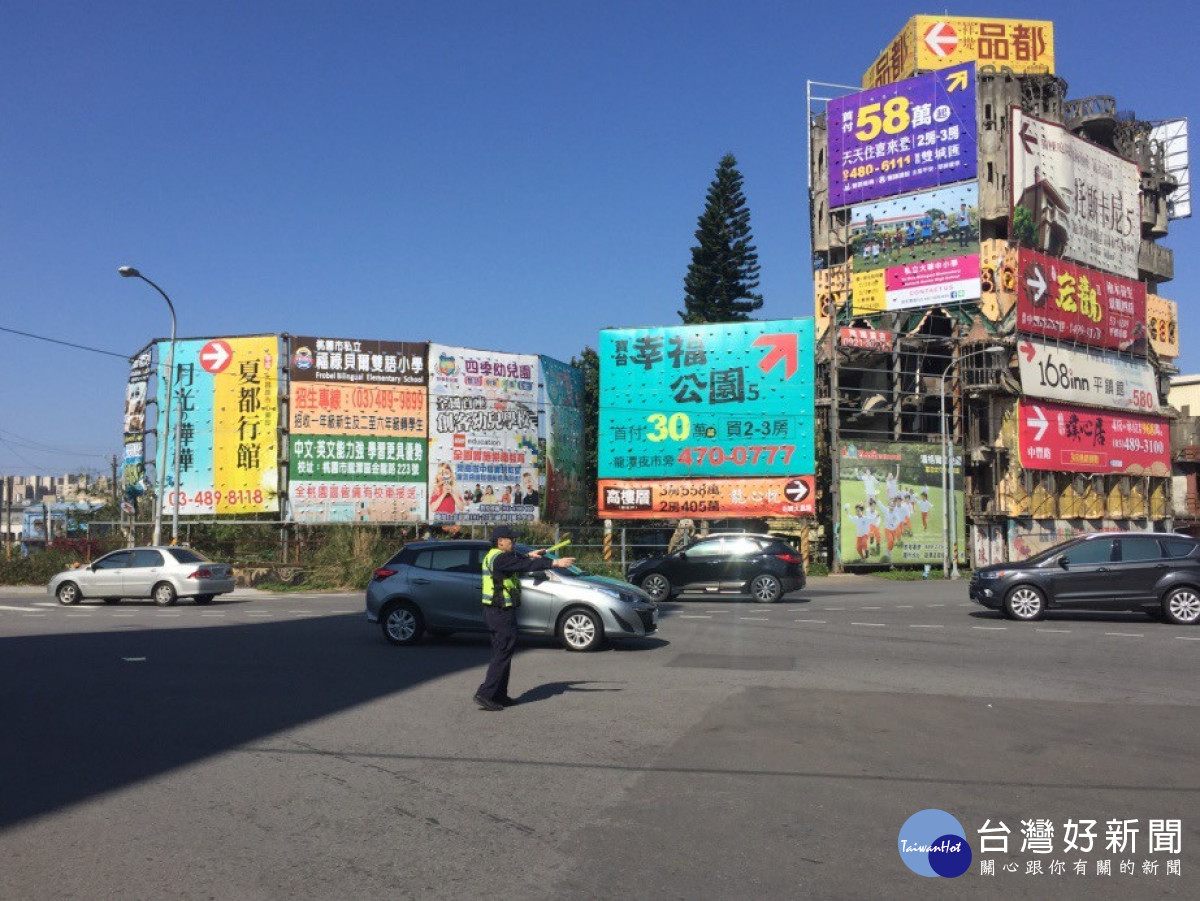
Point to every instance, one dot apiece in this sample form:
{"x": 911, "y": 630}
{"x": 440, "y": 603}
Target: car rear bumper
{"x": 205, "y": 586}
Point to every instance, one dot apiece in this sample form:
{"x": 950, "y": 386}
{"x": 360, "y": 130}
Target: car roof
{"x": 734, "y": 535}
{"x": 1093, "y": 536}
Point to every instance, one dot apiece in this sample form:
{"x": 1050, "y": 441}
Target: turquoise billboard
{"x": 728, "y": 400}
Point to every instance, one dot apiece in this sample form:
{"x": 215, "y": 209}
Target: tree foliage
{"x": 723, "y": 275}
{"x": 589, "y": 362}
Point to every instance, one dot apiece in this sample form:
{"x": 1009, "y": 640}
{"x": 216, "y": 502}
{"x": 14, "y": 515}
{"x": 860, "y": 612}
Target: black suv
{"x": 763, "y": 567}
{"x": 1155, "y": 572}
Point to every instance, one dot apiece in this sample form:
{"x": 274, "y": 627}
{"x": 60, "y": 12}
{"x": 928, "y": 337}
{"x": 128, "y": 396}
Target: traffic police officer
{"x": 501, "y": 597}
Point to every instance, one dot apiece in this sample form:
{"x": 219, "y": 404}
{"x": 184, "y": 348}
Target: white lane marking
{"x": 904, "y": 606}
{"x": 14, "y": 609}
{"x": 298, "y": 611}
{"x": 991, "y": 628}
{"x": 1186, "y": 638}
{"x": 260, "y": 614}
{"x": 46, "y": 604}
{"x": 834, "y": 608}
{"x": 124, "y": 614}
{"x": 870, "y": 608}
{"x": 134, "y": 659}
{"x": 168, "y": 614}
{"x": 1125, "y": 634}
{"x": 212, "y": 614}
{"x": 927, "y": 627}
{"x": 1055, "y": 631}
{"x": 880, "y": 625}
{"x": 818, "y": 621}
{"x": 935, "y": 605}
{"x": 718, "y": 611}
{"x": 35, "y": 614}
{"x": 761, "y": 619}
{"x": 688, "y": 616}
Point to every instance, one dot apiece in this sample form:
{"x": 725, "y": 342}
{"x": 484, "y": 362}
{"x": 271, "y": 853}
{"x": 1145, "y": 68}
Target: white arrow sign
{"x": 215, "y": 356}
{"x": 1038, "y": 283}
{"x": 1038, "y": 421}
{"x": 941, "y": 40}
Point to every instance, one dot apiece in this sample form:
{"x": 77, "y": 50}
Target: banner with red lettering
{"x": 1063, "y": 438}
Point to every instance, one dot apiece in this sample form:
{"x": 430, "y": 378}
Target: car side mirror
{"x": 1063, "y": 561}
{"x": 682, "y": 555}
{"x": 538, "y": 577}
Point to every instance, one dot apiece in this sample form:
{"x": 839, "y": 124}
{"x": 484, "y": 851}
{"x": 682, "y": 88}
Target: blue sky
{"x": 512, "y": 176}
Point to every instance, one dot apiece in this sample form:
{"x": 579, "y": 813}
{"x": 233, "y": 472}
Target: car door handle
{"x": 1102, "y": 569}
{"x": 421, "y": 581}
{"x": 1162, "y": 565}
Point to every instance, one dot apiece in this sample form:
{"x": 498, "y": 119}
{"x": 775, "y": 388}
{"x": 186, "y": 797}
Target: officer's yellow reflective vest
{"x": 511, "y": 589}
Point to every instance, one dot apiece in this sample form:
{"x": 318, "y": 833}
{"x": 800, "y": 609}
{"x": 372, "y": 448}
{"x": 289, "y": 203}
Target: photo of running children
{"x": 926, "y": 226}
{"x": 891, "y": 498}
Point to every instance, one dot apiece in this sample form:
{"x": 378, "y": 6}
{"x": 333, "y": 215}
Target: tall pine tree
{"x": 720, "y": 281}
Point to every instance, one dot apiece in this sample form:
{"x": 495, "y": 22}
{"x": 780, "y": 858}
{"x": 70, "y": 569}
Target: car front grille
{"x": 647, "y": 618}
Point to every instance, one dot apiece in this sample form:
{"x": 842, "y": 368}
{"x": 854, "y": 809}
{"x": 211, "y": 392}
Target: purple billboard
{"x": 914, "y": 134}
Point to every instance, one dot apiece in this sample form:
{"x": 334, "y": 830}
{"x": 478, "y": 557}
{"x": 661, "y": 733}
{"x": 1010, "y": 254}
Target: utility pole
{"x": 116, "y": 496}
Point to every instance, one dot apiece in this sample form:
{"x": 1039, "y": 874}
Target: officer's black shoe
{"x": 488, "y": 703}
{"x": 509, "y": 702}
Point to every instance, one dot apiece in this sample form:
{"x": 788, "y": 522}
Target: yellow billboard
{"x": 1162, "y": 325}
{"x": 926, "y": 43}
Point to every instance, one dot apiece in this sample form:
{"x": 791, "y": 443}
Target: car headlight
{"x": 997, "y": 574}
{"x": 616, "y": 594}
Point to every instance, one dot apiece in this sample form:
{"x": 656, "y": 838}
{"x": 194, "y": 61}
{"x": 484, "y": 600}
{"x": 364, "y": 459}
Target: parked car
{"x": 162, "y": 573}
{"x": 437, "y": 587}
{"x": 1156, "y": 572}
{"x": 764, "y": 567}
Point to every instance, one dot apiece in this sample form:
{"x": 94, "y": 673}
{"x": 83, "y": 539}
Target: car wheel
{"x": 112, "y": 600}
{"x": 164, "y": 594}
{"x": 204, "y": 598}
{"x": 766, "y": 589}
{"x": 580, "y": 630}
{"x": 69, "y": 594}
{"x": 1182, "y": 606}
{"x": 402, "y": 624}
{"x": 1025, "y": 603}
{"x": 657, "y": 586}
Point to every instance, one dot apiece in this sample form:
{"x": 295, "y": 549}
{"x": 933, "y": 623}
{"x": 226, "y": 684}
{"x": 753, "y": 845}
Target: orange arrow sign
{"x": 784, "y": 347}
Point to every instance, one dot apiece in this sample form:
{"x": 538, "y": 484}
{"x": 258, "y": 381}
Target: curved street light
{"x": 130, "y": 272}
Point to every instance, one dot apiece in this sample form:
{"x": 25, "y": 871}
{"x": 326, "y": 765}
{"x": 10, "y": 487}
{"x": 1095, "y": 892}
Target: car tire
{"x": 1181, "y": 606}
{"x": 204, "y": 598}
{"x": 112, "y": 600}
{"x": 580, "y": 630}
{"x": 164, "y": 594}
{"x": 657, "y": 586}
{"x": 766, "y": 589}
{"x": 402, "y": 623}
{"x": 1025, "y": 603}
{"x": 68, "y": 594}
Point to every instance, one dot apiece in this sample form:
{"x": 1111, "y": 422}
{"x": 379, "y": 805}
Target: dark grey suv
{"x": 1155, "y": 572}
{"x": 436, "y": 587}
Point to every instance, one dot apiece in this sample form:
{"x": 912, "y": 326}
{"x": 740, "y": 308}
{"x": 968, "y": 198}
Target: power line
{"x": 94, "y": 350}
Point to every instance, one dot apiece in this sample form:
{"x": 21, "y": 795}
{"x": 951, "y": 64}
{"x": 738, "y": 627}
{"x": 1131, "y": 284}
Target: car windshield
{"x": 1048, "y": 553}
{"x": 187, "y": 555}
{"x": 553, "y": 555}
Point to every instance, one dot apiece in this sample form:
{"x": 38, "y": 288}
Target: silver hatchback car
{"x": 436, "y": 587}
{"x": 162, "y": 573}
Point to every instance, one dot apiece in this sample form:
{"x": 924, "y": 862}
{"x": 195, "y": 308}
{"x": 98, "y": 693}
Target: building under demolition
{"x": 993, "y": 352}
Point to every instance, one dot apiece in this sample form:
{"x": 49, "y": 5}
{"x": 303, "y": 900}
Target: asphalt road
{"x": 276, "y": 747}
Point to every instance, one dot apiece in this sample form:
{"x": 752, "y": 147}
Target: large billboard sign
{"x": 1061, "y": 300}
{"x": 566, "y": 496}
{"x": 893, "y": 502}
{"x": 731, "y": 400}
{"x": 917, "y": 250}
{"x": 483, "y": 436}
{"x": 1064, "y": 438}
{"x": 1020, "y": 46}
{"x": 133, "y": 468}
{"x": 706, "y": 498}
{"x": 918, "y": 133}
{"x": 1162, "y": 325}
{"x": 357, "y": 419}
{"x": 225, "y": 410}
{"x": 1095, "y": 379}
{"x": 1071, "y": 198}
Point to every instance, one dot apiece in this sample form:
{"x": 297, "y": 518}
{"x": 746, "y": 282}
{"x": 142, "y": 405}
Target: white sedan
{"x": 164, "y": 574}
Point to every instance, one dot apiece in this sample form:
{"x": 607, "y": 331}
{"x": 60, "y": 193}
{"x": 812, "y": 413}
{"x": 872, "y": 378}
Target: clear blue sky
{"x": 513, "y": 176}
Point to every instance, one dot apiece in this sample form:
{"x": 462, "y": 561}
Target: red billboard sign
{"x": 707, "y": 498}
{"x": 1062, "y": 438}
{"x": 1067, "y": 301}
{"x": 867, "y": 339}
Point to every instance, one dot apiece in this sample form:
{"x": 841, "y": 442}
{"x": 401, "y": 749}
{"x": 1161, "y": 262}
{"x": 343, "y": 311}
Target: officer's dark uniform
{"x": 501, "y": 597}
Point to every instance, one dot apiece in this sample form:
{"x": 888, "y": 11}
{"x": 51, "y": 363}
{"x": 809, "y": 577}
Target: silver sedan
{"x": 162, "y": 573}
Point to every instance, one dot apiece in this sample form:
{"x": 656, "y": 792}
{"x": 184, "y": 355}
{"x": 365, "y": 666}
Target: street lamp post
{"x": 949, "y": 509}
{"x": 130, "y": 272}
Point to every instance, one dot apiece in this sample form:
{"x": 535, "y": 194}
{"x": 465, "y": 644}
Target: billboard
{"x": 831, "y": 289}
{"x": 893, "y": 501}
{"x": 1063, "y": 438}
{"x": 484, "y": 453}
{"x": 916, "y": 250}
{"x": 1091, "y": 378}
{"x": 1162, "y": 325}
{"x": 1062, "y": 300}
{"x": 566, "y": 497}
{"x": 917, "y": 133}
{"x": 729, "y": 400}
{"x": 357, "y": 421}
{"x": 133, "y": 467}
{"x": 706, "y": 498}
{"x": 225, "y": 397}
{"x": 1071, "y": 198}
